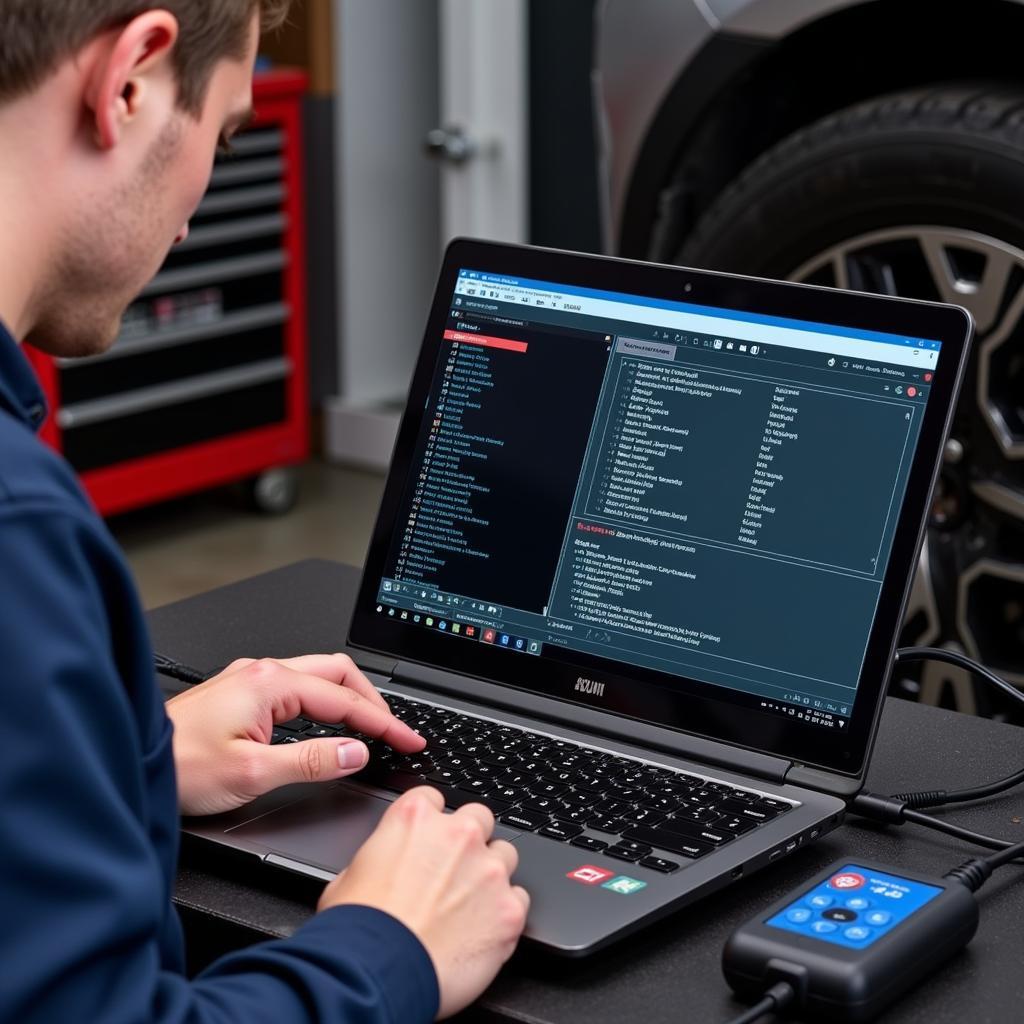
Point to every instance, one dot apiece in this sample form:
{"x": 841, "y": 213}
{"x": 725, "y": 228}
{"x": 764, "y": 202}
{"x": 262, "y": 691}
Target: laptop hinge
{"x": 574, "y": 716}
{"x": 841, "y": 786}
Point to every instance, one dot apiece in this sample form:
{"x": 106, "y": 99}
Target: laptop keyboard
{"x": 622, "y": 807}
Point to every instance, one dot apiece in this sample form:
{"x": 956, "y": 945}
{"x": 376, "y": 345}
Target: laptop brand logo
{"x": 590, "y": 686}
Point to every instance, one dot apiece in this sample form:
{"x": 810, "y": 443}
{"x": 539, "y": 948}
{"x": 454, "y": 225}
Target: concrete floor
{"x": 184, "y": 547}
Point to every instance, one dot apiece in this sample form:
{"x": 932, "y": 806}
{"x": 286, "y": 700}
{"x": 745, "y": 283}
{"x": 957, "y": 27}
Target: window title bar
{"x": 679, "y": 316}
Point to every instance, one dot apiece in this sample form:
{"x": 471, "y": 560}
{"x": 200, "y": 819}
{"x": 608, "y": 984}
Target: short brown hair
{"x": 36, "y": 35}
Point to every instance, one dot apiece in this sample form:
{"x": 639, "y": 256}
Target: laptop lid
{"x": 688, "y": 499}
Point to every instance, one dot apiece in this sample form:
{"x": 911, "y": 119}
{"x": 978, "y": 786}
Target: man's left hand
{"x": 222, "y": 729}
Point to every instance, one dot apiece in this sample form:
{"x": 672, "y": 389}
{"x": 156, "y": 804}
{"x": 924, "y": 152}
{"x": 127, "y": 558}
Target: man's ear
{"x": 122, "y": 72}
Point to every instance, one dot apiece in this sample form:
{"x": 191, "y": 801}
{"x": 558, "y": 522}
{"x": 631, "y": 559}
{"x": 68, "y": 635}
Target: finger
{"x": 522, "y": 895}
{"x": 337, "y": 668}
{"x": 480, "y": 815}
{"x": 422, "y": 796}
{"x": 309, "y": 761}
{"x": 506, "y": 853}
{"x": 295, "y": 693}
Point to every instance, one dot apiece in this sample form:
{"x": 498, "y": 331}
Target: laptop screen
{"x": 706, "y": 495}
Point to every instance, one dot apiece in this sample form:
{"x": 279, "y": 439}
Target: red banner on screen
{"x": 486, "y": 341}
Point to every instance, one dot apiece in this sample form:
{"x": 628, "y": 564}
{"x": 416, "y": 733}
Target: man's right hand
{"x": 443, "y": 877}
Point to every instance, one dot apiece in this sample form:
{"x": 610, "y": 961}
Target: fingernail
{"x": 352, "y": 754}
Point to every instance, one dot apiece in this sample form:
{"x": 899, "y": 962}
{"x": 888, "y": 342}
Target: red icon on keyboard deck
{"x": 589, "y": 875}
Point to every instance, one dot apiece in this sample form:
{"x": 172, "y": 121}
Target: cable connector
{"x": 775, "y": 1000}
{"x": 890, "y": 810}
{"x": 972, "y": 873}
{"x": 929, "y": 798}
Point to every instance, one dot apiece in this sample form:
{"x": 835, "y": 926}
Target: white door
{"x": 482, "y": 141}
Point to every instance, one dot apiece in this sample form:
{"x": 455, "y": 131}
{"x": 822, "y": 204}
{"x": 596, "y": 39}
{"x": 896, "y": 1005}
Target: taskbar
{"x": 468, "y": 618}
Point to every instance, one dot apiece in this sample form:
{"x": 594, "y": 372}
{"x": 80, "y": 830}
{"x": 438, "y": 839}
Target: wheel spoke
{"x": 1003, "y": 498}
{"x": 841, "y": 270}
{"x": 982, "y": 296}
{"x": 922, "y": 603}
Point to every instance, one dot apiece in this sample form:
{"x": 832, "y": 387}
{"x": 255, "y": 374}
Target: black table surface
{"x": 671, "y": 972}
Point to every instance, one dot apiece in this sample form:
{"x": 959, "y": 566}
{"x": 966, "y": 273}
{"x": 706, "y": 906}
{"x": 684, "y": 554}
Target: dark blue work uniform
{"x": 88, "y": 805}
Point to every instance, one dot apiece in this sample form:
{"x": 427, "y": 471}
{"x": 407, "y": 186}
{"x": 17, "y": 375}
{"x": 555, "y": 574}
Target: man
{"x": 110, "y": 112}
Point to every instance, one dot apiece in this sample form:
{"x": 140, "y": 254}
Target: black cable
{"x": 894, "y": 811}
{"x": 1011, "y": 853}
{"x": 975, "y": 873}
{"x": 176, "y": 670}
{"x": 778, "y": 997}
{"x": 957, "y": 831}
{"x": 941, "y": 797}
{"x": 909, "y": 654}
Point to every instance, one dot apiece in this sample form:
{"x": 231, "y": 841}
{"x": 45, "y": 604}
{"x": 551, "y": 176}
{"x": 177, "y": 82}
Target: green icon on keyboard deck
{"x": 624, "y": 885}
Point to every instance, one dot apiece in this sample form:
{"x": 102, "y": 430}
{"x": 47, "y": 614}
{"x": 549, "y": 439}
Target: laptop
{"x": 641, "y": 561}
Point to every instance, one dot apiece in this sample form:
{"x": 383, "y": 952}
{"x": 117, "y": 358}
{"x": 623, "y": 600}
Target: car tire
{"x": 919, "y": 194}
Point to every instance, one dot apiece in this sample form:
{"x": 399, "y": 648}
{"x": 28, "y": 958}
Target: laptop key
{"x": 446, "y": 776}
{"x": 629, "y": 794}
{"x": 736, "y": 826}
{"x": 626, "y": 851}
{"x": 759, "y": 811}
{"x": 577, "y": 815}
{"x": 574, "y": 799}
{"x": 500, "y": 759}
{"x": 671, "y": 841}
{"x": 588, "y": 843}
{"x": 702, "y": 816}
{"x": 540, "y": 803}
{"x": 643, "y": 816}
{"x": 293, "y": 725}
{"x": 477, "y": 785}
{"x": 513, "y": 778}
{"x": 446, "y": 743}
{"x": 705, "y": 833}
{"x": 530, "y": 821}
{"x": 613, "y": 808}
{"x": 665, "y": 804}
{"x": 548, "y": 788}
{"x": 666, "y": 867}
{"x": 563, "y": 830}
{"x": 608, "y": 824}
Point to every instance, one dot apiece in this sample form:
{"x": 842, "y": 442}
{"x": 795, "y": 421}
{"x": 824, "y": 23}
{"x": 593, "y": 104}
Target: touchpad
{"x": 325, "y": 831}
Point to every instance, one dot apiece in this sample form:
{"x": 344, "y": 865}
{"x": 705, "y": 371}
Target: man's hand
{"x": 441, "y": 877}
{"x": 222, "y": 729}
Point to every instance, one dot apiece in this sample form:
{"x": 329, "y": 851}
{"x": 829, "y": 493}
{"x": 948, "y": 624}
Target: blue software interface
{"x": 702, "y": 492}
